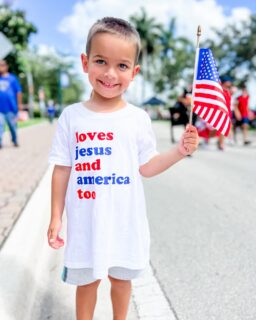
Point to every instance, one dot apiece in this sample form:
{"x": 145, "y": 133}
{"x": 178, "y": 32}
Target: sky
{"x": 63, "y": 24}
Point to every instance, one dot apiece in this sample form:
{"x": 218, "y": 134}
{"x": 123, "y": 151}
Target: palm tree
{"x": 149, "y": 32}
{"x": 176, "y": 55}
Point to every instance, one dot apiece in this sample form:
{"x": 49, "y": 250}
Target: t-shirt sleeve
{"x": 60, "y": 151}
{"x": 16, "y": 85}
{"x": 147, "y": 141}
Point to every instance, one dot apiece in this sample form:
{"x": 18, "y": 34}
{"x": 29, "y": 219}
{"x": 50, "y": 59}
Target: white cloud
{"x": 44, "y": 50}
{"x": 189, "y": 14}
{"x": 238, "y": 16}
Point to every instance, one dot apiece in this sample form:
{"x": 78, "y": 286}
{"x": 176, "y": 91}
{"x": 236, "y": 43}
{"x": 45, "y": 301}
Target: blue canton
{"x": 206, "y": 69}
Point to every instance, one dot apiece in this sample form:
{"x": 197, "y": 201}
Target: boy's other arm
{"x": 161, "y": 162}
{"x": 60, "y": 179}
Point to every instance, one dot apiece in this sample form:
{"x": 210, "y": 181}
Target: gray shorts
{"x": 80, "y": 277}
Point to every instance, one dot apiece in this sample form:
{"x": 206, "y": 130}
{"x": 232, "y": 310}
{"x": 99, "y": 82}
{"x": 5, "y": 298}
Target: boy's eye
{"x": 100, "y": 61}
{"x": 123, "y": 66}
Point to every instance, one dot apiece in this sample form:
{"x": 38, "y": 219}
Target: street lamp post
{"x": 59, "y": 90}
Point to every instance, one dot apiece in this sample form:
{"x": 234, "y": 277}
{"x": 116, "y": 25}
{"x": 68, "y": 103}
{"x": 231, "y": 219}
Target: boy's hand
{"x": 189, "y": 141}
{"x": 53, "y": 235}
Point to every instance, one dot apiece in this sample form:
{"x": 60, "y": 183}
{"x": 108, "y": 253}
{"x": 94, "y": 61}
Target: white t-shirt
{"x": 107, "y": 224}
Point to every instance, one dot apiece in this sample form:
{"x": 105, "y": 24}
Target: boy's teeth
{"x": 107, "y": 84}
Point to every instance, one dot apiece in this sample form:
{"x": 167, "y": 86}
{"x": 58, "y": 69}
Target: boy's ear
{"x": 84, "y": 60}
{"x": 136, "y": 70}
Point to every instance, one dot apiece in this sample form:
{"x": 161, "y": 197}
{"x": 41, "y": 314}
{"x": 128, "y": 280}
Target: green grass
{"x": 30, "y": 122}
{"x": 27, "y": 123}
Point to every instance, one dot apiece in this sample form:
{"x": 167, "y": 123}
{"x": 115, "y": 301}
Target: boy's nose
{"x": 110, "y": 73}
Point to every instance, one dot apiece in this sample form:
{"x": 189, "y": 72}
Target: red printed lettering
{"x": 110, "y": 136}
{"x": 101, "y": 136}
{"x": 91, "y": 135}
{"x": 81, "y": 137}
{"x": 86, "y": 194}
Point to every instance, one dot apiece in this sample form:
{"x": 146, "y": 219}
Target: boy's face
{"x": 110, "y": 64}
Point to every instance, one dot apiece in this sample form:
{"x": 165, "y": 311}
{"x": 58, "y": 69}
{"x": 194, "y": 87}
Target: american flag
{"x": 208, "y": 98}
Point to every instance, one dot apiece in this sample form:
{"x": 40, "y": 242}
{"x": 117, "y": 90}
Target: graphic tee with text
{"x": 107, "y": 224}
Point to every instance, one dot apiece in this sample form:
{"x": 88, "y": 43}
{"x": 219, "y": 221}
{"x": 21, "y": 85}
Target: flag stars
{"x": 206, "y": 66}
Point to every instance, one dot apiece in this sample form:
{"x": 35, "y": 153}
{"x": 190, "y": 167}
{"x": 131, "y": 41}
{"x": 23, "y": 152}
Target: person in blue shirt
{"x": 51, "y": 110}
{"x": 10, "y": 102}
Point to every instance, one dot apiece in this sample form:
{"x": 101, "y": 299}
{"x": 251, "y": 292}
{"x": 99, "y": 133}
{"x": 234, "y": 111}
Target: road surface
{"x": 202, "y": 215}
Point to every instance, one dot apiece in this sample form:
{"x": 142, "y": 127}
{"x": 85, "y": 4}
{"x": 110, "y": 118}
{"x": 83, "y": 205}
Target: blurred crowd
{"x": 242, "y": 117}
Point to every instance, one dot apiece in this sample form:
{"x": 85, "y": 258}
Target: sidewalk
{"x": 21, "y": 170}
{"x": 30, "y": 285}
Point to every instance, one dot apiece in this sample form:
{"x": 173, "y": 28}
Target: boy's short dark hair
{"x": 115, "y": 26}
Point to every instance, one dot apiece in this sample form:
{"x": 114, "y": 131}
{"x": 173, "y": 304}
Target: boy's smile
{"x": 110, "y": 65}
{"x": 107, "y": 85}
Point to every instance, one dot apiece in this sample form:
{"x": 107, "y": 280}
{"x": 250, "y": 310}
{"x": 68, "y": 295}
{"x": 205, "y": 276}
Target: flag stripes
{"x": 209, "y": 101}
{"x": 219, "y": 120}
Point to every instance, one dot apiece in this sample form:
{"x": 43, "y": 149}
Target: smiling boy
{"x": 107, "y": 226}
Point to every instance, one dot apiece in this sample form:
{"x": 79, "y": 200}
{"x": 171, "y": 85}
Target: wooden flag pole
{"x": 199, "y": 31}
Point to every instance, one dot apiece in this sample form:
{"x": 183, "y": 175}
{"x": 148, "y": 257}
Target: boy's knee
{"x": 94, "y": 284}
{"x": 119, "y": 283}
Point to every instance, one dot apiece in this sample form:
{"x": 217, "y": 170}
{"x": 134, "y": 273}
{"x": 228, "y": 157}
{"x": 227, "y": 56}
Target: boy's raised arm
{"x": 60, "y": 179}
{"x": 161, "y": 162}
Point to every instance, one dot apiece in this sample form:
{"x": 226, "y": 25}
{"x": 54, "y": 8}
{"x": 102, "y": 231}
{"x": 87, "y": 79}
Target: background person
{"x": 242, "y": 113}
{"x": 10, "y": 102}
{"x": 226, "y": 83}
{"x": 51, "y": 110}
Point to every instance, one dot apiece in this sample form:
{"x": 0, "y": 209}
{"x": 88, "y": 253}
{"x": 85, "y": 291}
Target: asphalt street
{"x": 203, "y": 231}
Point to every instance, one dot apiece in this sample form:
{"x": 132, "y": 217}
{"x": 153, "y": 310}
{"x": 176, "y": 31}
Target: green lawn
{"x": 27, "y": 123}
{"x": 30, "y": 122}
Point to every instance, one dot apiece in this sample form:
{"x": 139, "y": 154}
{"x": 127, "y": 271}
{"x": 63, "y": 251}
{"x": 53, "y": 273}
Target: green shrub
{"x": 36, "y": 113}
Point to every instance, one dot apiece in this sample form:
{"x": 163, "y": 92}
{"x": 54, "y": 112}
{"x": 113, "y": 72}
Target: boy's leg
{"x": 86, "y": 297}
{"x": 120, "y": 296}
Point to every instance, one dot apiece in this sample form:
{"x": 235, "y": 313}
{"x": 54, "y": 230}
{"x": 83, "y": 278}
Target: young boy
{"x": 101, "y": 149}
